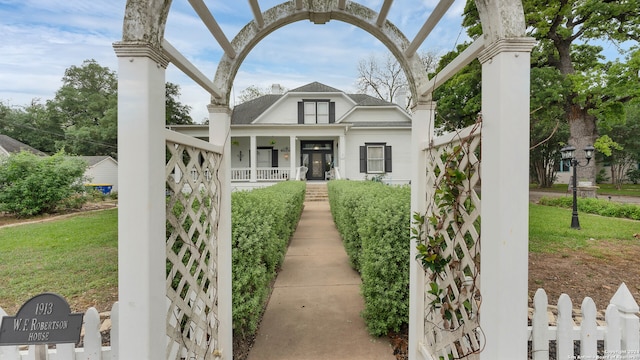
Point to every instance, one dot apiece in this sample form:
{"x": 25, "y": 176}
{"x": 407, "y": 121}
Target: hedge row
{"x": 596, "y": 206}
{"x": 374, "y": 221}
{"x": 263, "y": 221}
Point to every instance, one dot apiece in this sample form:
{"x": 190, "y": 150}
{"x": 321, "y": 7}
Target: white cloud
{"x": 41, "y": 38}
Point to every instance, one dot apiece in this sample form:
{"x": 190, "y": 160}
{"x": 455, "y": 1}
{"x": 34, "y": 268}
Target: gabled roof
{"x": 368, "y": 100}
{"x": 93, "y": 160}
{"x": 10, "y": 145}
{"x": 249, "y": 111}
{"x": 315, "y": 87}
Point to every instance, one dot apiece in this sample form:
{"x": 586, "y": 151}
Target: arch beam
{"x": 210, "y": 22}
{"x": 384, "y": 12}
{"x": 257, "y": 14}
{"x": 428, "y": 26}
{"x": 189, "y": 69}
{"x": 463, "y": 59}
{"x": 320, "y": 12}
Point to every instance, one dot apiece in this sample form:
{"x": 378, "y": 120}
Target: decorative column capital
{"x": 428, "y": 105}
{"x": 137, "y": 49}
{"x": 519, "y": 44}
{"x": 218, "y": 109}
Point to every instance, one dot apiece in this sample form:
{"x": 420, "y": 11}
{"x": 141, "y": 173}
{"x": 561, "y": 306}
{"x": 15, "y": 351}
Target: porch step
{"x": 316, "y": 192}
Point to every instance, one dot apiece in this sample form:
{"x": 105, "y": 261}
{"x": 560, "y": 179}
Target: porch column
{"x": 141, "y": 202}
{"x": 421, "y": 133}
{"x": 219, "y": 126}
{"x": 293, "y": 156}
{"x": 342, "y": 154}
{"x": 253, "y": 159}
{"x": 505, "y": 197}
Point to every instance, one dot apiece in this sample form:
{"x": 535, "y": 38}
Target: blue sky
{"x": 41, "y": 38}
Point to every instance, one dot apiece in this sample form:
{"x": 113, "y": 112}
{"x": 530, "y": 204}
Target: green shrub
{"x": 32, "y": 185}
{"x": 374, "y": 221}
{"x": 596, "y": 206}
{"x": 263, "y": 221}
{"x": 344, "y": 198}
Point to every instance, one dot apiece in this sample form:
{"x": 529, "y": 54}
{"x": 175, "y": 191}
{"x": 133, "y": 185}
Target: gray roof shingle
{"x": 248, "y": 111}
{"x": 13, "y": 146}
{"x": 315, "y": 87}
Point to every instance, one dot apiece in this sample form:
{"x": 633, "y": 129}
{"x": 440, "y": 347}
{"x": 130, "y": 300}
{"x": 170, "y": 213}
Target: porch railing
{"x": 262, "y": 174}
{"x": 240, "y": 174}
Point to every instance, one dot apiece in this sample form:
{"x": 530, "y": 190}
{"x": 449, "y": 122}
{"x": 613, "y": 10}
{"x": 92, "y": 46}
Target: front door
{"x": 317, "y": 156}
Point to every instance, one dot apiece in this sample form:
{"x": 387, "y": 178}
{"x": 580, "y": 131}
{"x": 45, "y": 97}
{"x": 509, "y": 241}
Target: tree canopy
{"x": 82, "y": 116}
{"x": 597, "y": 89}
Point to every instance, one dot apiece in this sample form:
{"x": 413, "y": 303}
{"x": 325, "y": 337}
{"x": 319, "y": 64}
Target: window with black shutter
{"x": 375, "y": 158}
{"x": 315, "y": 111}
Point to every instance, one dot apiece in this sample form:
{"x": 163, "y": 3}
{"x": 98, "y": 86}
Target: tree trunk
{"x": 583, "y": 133}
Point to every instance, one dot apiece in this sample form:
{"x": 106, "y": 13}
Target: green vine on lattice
{"x": 446, "y": 219}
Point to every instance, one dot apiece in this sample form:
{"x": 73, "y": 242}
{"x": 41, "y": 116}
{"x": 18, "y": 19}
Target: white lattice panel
{"x": 452, "y": 295}
{"x": 193, "y": 203}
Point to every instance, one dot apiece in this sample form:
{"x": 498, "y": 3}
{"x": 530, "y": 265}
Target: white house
{"x": 316, "y": 132}
{"x": 102, "y": 171}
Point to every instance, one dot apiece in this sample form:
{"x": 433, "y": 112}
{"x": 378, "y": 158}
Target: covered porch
{"x": 281, "y": 158}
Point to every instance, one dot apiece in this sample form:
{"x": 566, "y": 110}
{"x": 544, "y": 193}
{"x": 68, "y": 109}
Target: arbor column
{"x": 505, "y": 197}
{"x": 421, "y": 132}
{"x": 141, "y": 202}
{"x": 219, "y": 134}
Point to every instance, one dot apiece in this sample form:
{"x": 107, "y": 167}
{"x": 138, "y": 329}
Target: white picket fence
{"x": 92, "y": 349}
{"x": 618, "y": 335}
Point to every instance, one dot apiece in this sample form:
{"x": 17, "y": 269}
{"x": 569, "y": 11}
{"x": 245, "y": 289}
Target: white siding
{"x": 285, "y": 111}
{"x": 377, "y": 114}
{"x": 104, "y": 172}
{"x": 398, "y": 139}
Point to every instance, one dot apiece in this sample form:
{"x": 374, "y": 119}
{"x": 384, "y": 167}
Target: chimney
{"x": 276, "y": 89}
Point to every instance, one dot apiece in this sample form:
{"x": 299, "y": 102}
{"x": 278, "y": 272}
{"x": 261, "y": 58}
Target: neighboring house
{"x": 102, "y": 170}
{"x": 316, "y": 132}
{"x": 9, "y": 145}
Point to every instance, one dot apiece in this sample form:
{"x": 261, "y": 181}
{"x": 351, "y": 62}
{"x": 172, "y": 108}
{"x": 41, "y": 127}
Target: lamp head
{"x": 567, "y": 152}
{"x": 589, "y": 150}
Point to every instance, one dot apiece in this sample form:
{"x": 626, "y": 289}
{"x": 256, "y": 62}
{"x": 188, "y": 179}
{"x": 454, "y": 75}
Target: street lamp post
{"x": 568, "y": 154}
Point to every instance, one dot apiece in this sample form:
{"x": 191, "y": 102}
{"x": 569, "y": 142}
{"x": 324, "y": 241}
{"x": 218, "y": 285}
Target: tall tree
{"x": 383, "y": 78}
{"x": 30, "y": 125}
{"x": 86, "y": 109}
{"x": 176, "y": 112}
{"x": 252, "y": 92}
{"x": 620, "y": 145}
{"x": 458, "y": 100}
{"x": 597, "y": 89}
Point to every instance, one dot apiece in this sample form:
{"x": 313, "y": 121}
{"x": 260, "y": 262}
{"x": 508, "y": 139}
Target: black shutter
{"x": 387, "y": 158}
{"x": 274, "y": 158}
{"x": 332, "y": 112}
{"x": 300, "y": 112}
{"x": 363, "y": 159}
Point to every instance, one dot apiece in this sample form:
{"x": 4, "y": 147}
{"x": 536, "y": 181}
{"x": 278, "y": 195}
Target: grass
{"x": 78, "y": 256}
{"x": 73, "y": 257}
{"x": 603, "y": 189}
{"x": 550, "y": 230}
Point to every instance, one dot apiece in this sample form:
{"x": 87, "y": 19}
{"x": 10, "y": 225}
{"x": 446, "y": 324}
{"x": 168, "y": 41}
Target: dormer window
{"x": 316, "y": 112}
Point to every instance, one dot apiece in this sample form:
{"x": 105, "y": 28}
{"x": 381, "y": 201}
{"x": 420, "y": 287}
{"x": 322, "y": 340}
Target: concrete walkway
{"x": 314, "y": 310}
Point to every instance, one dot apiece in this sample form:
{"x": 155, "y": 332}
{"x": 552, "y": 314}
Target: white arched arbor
{"x": 144, "y": 55}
